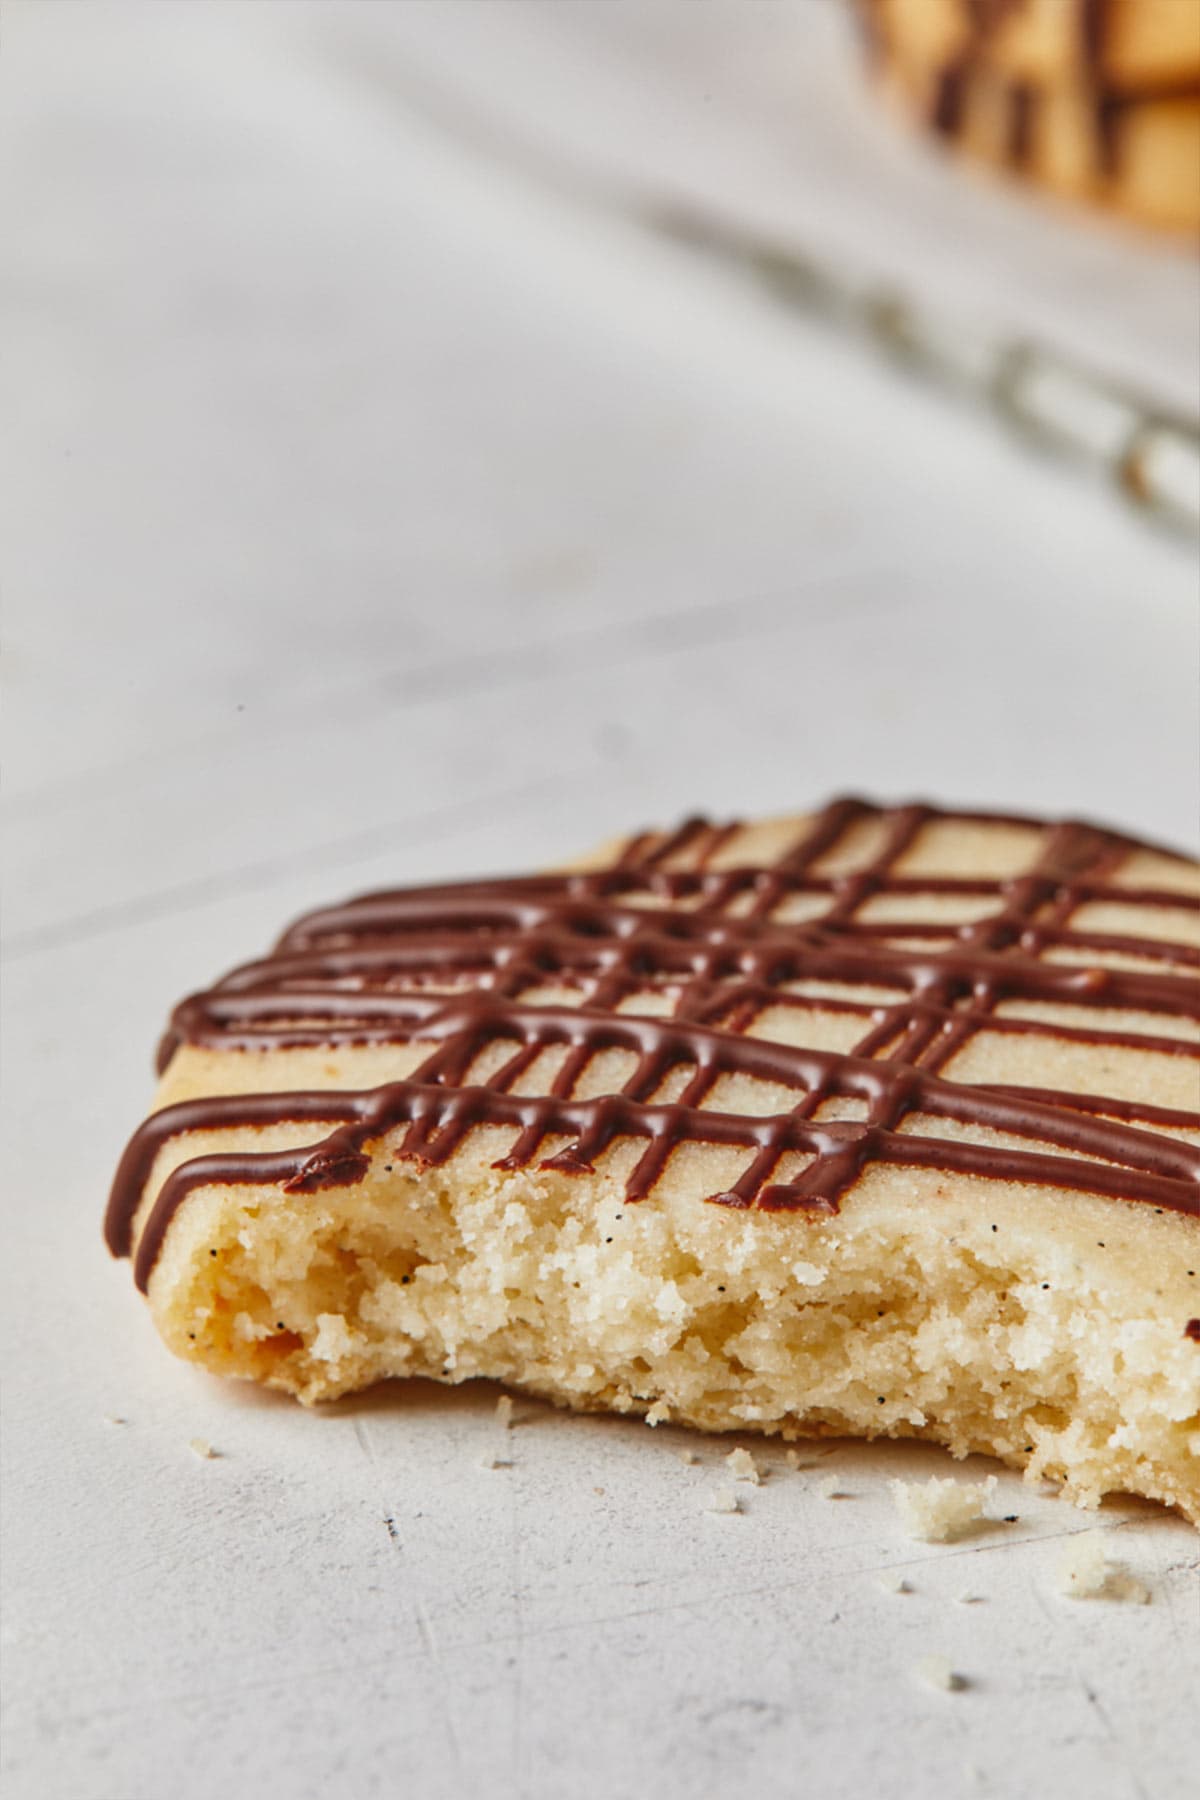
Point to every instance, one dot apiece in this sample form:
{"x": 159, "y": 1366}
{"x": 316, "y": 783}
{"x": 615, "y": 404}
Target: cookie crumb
{"x": 1085, "y": 1573}
{"x": 114, "y": 1419}
{"x": 892, "y": 1582}
{"x": 725, "y": 1501}
{"x": 687, "y": 1456}
{"x": 937, "y": 1672}
{"x": 935, "y": 1511}
{"x": 743, "y": 1467}
{"x": 504, "y": 1412}
{"x": 794, "y": 1460}
{"x": 495, "y": 1462}
{"x": 968, "y": 1599}
{"x": 202, "y": 1448}
{"x": 832, "y": 1489}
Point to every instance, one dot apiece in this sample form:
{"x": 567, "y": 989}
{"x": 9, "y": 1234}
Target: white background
{"x": 375, "y": 513}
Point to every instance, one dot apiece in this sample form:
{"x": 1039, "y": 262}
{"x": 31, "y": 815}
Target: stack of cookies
{"x": 1096, "y": 99}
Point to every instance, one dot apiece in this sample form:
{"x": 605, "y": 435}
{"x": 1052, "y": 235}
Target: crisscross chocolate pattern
{"x": 696, "y": 972}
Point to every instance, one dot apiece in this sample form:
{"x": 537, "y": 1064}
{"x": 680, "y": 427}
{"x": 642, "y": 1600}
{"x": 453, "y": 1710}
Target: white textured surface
{"x": 371, "y": 516}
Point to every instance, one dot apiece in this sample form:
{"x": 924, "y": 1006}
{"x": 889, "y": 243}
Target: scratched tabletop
{"x": 374, "y": 514}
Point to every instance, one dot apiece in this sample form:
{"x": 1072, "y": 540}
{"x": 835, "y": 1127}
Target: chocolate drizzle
{"x": 948, "y": 108}
{"x": 1094, "y": 27}
{"x": 1022, "y": 106}
{"x": 462, "y": 970}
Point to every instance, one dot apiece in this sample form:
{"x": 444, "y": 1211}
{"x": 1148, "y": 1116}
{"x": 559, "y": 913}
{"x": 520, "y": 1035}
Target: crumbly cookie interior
{"x": 912, "y": 1313}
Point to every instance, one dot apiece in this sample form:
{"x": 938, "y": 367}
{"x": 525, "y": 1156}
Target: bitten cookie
{"x": 881, "y": 1121}
{"x": 1097, "y": 99}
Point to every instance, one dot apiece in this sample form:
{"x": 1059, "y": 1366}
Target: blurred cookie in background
{"x": 1098, "y": 100}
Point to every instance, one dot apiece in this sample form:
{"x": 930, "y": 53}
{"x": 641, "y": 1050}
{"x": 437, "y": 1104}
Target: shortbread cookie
{"x": 1098, "y": 99}
{"x": 880, "y": 1121}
